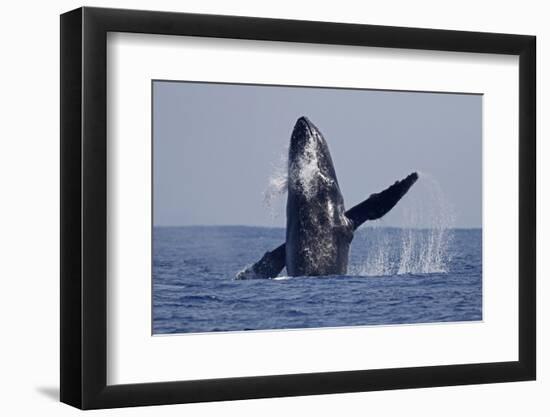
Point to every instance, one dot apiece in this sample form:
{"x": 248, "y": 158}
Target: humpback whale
{"x": 319, "y": 230}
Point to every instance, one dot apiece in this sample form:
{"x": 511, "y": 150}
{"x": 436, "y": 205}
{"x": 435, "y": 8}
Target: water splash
{"x": 305, "y": 172}
{"x": 378, "y": 259}
{"x": 427, "y": 250}
{"x": 421, "y": 245}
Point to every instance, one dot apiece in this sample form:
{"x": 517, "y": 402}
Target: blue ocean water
{"x": 395, "y": 276}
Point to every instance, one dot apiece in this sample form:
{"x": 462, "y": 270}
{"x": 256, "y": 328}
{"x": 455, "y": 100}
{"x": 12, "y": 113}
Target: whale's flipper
{"x": 374, "y": 207}
{"x": 377, "y": 205}
{"x": 271, "y": 264}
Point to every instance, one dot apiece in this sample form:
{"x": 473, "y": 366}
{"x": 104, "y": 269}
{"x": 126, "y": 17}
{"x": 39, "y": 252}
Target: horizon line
{"x": 283, "y": 227}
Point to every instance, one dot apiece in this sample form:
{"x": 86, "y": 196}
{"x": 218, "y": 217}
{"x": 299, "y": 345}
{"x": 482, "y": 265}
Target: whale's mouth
{"x": 303, "y": 132}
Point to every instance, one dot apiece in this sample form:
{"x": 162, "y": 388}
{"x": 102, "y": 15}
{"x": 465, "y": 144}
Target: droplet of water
{"x": 277, "y": 186}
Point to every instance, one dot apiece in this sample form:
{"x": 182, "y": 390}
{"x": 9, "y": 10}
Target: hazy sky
{"x": 217, "y": 145}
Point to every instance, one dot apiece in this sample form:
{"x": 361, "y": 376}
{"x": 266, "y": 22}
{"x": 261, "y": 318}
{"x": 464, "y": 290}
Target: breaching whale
{"x": 319, "y": 230}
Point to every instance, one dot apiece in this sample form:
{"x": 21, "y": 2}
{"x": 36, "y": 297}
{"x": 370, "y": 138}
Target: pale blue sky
{"x": 216, "y": 146}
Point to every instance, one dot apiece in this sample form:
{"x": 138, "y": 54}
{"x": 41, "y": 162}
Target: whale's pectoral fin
{"x": 271, "y": 264}
{"x": 377, "y": 205}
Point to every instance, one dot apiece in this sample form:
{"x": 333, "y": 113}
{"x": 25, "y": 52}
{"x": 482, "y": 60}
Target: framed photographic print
{"x": 257, "y": 207}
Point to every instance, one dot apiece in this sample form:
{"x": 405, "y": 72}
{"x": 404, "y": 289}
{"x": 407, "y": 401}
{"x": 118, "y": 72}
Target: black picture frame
{"x": 84, "y": 207}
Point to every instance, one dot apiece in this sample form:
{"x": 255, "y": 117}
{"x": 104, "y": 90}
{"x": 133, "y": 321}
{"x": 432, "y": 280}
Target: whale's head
{"x": 310, "y": 168}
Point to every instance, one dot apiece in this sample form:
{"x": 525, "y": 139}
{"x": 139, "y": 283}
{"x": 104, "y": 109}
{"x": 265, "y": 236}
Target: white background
{"x": 134, "y": 356}
{"x": 30, "y": 206}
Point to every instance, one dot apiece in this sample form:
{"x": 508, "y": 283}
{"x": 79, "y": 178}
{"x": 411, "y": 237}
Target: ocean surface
{"x": 395, "y": 276}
